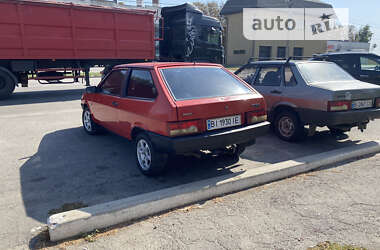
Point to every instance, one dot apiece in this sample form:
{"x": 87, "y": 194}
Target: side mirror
{"x": 91, "y": 90}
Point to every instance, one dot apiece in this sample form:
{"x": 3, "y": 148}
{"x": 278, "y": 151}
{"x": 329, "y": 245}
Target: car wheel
{"x": 7, "y": 84}
{"x": 148, "y": 160}
{"x": 89, "y": 125}
{"x": 287, "y": 126}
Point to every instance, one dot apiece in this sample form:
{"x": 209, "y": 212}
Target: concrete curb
{"x": 75, "y": 222}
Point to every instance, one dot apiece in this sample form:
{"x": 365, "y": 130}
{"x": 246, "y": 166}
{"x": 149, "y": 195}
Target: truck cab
{"x": 190, "y": 36}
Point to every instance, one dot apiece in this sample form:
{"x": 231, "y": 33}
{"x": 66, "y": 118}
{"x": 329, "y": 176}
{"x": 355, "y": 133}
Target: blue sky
{"x": 361, "y": 13}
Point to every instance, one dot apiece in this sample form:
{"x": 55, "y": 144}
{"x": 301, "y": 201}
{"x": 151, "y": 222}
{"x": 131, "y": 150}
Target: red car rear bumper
{"x": 210, "y": 140}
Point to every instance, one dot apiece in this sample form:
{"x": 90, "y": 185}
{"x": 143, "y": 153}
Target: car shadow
{"x": 72, "y": 167}
{"x": 271, "y": 149}
{"x": 45, "y": 96}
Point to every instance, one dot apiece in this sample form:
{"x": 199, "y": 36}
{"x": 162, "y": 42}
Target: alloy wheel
{"x": 144, "y": 155}
{"x": 87, "y": 120}
{"x": 286, "y": 126}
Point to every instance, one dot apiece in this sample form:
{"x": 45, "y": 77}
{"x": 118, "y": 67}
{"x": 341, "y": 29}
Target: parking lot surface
{"x": 337, "y": 204}
{"x": 48, "y": 160}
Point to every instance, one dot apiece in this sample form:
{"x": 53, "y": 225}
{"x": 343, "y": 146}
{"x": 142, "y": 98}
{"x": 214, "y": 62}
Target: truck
{"x": 52, "y": 41}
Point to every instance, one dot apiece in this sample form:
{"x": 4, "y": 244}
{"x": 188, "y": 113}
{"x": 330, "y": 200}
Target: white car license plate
{"x": 362, "y": 104}
{"x": 223, "y": 122}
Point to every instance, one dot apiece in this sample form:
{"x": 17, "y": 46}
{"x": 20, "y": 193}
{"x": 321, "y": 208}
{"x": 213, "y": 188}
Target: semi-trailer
{"x": 51, "y": 41}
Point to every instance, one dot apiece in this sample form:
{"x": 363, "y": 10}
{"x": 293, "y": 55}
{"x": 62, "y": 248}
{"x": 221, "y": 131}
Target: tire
{"x": 89, "y": 125}
{"x": 148, "y": 160}
{"x": 288, "y": 127}
{"x": 7, "y": 83}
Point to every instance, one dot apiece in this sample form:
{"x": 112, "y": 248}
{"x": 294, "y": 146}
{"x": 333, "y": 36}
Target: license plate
{"x": 223, "y": 122}
{"x": 362, "y": 104}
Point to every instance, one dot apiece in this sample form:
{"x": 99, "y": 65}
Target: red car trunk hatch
{"x": 209, "y": 108}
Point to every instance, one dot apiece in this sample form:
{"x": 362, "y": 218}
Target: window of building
{"x": 298, "y": 53}
{"x": 112, "y": 85}
{"x": 265, "y": 52}
{"x": 141, "y": 85}
{"x": 281, "y": 52}
{"x": 269, "y": 76}
{"x": 239, "y": 51}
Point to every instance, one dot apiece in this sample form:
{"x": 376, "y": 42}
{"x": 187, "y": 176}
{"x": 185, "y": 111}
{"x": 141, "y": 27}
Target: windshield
{"x": 202, "y": 82}
{"x": 323, "y": 72}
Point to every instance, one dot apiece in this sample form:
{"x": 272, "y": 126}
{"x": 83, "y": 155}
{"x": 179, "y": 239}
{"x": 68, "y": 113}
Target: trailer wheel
{"x": 7, "y": 83}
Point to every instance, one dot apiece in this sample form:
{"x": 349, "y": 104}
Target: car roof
{"x": 151, "y": 65}
{"x": 346, "y": 53}
{"x": 281, "y": 62}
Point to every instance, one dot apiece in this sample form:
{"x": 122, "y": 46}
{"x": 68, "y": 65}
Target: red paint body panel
{"x": 44, "y": 30}
{"x": 149, "y": 115}
{"x": 154, "y": 115}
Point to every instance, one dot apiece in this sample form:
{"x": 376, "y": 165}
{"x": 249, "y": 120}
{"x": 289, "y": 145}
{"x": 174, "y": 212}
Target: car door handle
{"x": 115, "y": 104}
{"x": 276, "y": 92}
{"x": 364, "y": 76}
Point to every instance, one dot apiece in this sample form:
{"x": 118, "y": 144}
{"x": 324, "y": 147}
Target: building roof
{"x": 236, "y": 6}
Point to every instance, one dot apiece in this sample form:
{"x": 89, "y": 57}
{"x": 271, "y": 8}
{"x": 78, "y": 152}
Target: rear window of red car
{"x": 201, "y": 82}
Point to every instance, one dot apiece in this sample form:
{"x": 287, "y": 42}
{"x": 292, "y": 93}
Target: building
{"x": 238, "y": 50}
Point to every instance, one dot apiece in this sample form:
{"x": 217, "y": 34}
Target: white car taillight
{"x": 256, "y": 116}
{"x": 183, "y": 128}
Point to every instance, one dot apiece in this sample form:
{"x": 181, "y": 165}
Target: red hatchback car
{"x": 175, "y": 108}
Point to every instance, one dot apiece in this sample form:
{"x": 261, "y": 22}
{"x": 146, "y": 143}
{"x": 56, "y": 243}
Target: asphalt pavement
{"x": 48, "y": 160}
{"x": 339, "y": 203}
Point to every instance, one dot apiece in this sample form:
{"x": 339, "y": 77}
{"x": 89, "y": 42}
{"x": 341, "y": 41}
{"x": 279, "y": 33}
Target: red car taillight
{"x": 183, "y": 128}
{"x": 377, "y": 102}
{"x": 256, "y": 116}
{"x": 339, "y": 105}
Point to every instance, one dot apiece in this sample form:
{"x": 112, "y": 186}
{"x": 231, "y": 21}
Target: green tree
{"x": 365, "y": 34}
